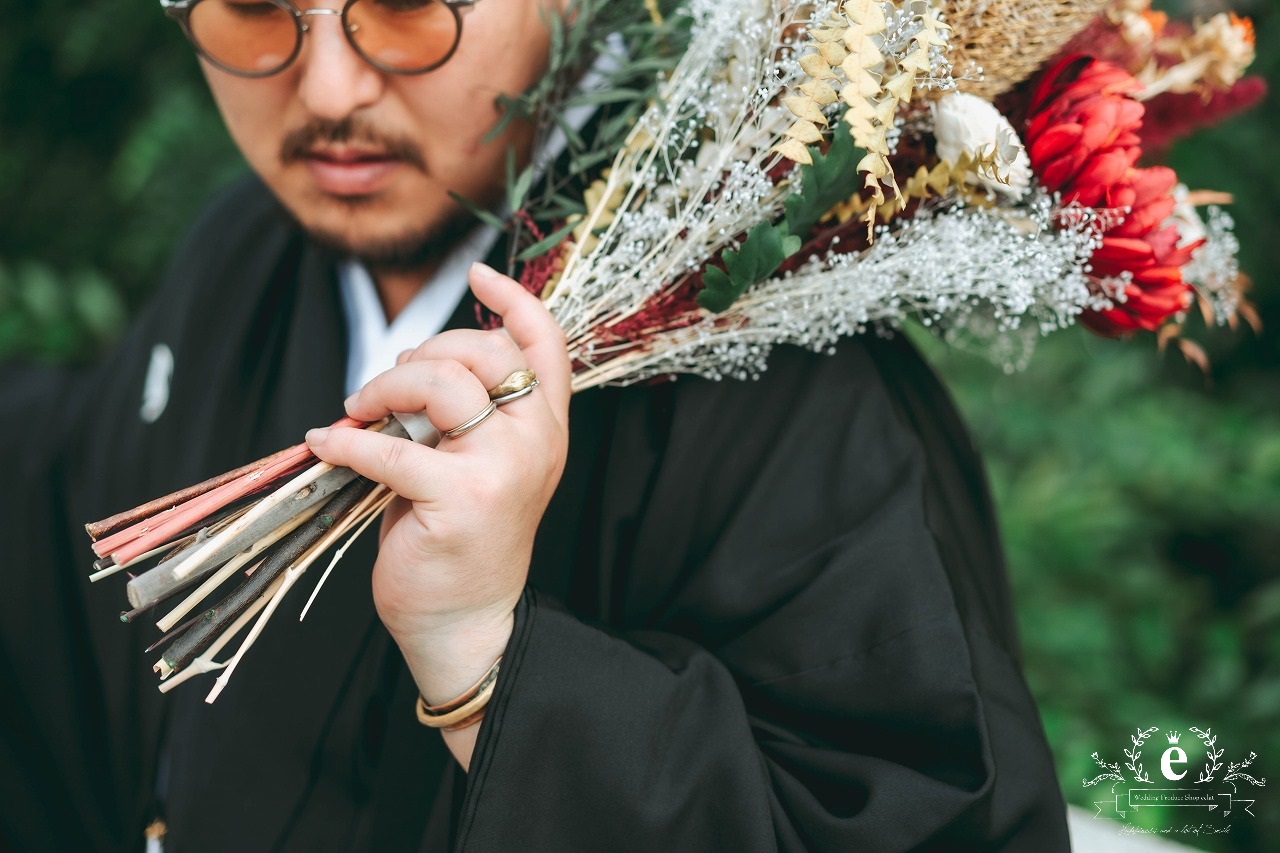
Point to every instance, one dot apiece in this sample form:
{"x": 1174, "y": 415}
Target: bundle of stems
{"x": 263, "y": 524}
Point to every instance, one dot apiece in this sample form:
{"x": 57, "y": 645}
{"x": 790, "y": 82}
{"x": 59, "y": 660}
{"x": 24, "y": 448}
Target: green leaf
{"x": 600, "y": 97}
{"x": 485, "y": 216}
{"x": 761, "y": 253}
{"x": 517, "y": 192}
{"x": 717, "y": 293}
{"x": 555, "y": 24}
{"x": 563, "y": 206}
{"x": 573, "y": 139}
{"x": 546, "y": 243}
{"x": 831, "y": 179}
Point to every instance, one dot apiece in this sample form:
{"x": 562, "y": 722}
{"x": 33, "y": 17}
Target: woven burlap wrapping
{"x": 1010, "y": 39}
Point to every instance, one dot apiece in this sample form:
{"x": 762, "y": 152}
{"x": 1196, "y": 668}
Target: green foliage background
{"x": 1140, "y": 501}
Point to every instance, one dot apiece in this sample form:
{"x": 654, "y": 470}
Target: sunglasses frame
{"x": 180, "y": 11}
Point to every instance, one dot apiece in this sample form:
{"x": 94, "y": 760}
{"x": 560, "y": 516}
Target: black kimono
{"x": 761, "y": 615}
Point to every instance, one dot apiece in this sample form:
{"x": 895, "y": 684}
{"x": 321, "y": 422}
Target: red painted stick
{"x": 153, "y": 532}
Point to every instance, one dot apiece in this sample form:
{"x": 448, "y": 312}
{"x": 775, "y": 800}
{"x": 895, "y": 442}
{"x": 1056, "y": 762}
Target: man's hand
{"x": 457, "y": 542}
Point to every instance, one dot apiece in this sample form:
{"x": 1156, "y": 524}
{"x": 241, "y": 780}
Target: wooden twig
{"x": 239, "y": 561}
{"x": 293, "y": 498}
{"x": 114, "y": 568}
{"x": 378, "y": 500}
{"x": 128, "y": 616}
{"x": 168, "y": 636}
{"x": 130, "y": 517}
{"x": 302, "y": 495}
{"x": 126, "y": 545}
{"x": 175, "y": 548}
{"x": 205, "y": 663}
{"x": 343, "y": 523}
{"x": 281, "y": 556}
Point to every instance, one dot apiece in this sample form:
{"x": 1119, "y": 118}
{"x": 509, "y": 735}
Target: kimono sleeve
{"x": 813, "y": 677}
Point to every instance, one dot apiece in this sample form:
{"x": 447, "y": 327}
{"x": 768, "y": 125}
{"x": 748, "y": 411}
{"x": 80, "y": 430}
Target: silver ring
{"x": 462, "y": 429}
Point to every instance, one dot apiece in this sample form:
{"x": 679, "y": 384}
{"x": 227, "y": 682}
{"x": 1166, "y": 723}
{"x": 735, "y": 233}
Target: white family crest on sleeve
{"x": 155, "y": 388}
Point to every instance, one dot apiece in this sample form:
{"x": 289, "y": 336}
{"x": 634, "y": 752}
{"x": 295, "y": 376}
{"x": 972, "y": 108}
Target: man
{"x": 738, "y": 616}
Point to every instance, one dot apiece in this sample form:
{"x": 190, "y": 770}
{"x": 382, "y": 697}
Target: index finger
{"x": 532, "y": 327}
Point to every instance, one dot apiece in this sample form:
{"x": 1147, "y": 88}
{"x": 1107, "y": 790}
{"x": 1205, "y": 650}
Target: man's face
{"x": 366, "y": 160}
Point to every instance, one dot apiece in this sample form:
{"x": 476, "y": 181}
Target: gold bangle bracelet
{"x": 450, "y": 718}
{"x": 467, "y": 695}
{"x": 473, "y": 700}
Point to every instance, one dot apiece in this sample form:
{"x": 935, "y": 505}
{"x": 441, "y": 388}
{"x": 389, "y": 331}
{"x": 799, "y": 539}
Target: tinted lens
{"x": 249, "y": 36}
{"x": 403, "y": 35}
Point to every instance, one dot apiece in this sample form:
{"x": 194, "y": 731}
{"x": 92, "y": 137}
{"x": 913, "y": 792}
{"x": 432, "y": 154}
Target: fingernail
{"x": 350, "y": 401}
{"x": 316, "y": 437}
{"x": 483, "y": 272}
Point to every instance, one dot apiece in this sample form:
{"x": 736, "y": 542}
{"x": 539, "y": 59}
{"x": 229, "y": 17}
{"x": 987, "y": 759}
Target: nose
{"x": 335, "y": 81}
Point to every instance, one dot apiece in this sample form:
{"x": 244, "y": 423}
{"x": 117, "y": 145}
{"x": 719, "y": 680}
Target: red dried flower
{"x": 1082, "y": 138}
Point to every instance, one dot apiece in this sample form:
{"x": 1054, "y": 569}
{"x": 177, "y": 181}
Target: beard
{"x": 405, "y": 252}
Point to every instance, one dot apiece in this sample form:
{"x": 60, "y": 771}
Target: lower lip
{"x": 356, "y": 177}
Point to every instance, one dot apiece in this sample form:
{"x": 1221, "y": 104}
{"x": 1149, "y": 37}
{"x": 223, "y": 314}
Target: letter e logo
{"x": 1172, "y": 755}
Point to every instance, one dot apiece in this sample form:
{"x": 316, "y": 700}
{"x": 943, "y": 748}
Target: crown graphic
{"x": 1173, "y": 736}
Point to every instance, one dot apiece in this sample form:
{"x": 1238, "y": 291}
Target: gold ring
{"x": 462, "y": 429}
{"x": 515, "y": 386}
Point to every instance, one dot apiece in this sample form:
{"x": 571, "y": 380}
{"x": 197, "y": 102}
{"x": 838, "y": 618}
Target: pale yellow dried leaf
{"x": 858, "y": 90}
{"x": 805, "y": 108}
{"x": 863, "y": 53}
{"x": 877, "y": 191}
{"x": 804, "y": 131}
{"x": 932, "y": 31}
{"x": 863, "y": 127}
{"x": 860, "y": 113}
{"x": 867, "y": 13}
{"x": 885, "y": 110}
{"x": 822, "y": 93}
{"x": 874, "y": 140}
{"x": 900, "y": 85}
{"x": 594, "y": 194}
{"x": 860, "y": 124}
{"x": 815, "y": 66}
{"x": 639, "y": 141}
{"x": 875, "y": 165}
{"x": 822, "y": 35}
{"x": 833, "y": 52}
{"x": 939, "y": 178}
{"x": 917, "y": 61}
{"x": 794, "y": 150}
{"x": 917, "y": 185}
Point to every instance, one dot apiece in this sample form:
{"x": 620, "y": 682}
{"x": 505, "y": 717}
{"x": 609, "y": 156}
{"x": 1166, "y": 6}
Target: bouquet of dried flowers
{"x": 793, "y": 173}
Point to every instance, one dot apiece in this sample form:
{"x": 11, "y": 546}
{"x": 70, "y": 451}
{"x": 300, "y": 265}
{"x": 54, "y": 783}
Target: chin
{"x": 409, "y": 247}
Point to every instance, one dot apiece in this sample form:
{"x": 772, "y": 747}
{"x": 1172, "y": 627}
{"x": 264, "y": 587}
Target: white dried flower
{"x": 1226, "y": 44}
{"x": 966, "y": 124}
{"x": 1186, "y": 218}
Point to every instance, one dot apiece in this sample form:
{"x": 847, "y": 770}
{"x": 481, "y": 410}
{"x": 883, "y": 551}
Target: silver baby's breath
{"x": 1214, "y": 268}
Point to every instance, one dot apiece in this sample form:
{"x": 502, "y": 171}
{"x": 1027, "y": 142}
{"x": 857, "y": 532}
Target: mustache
{"x": 297, "y": 144}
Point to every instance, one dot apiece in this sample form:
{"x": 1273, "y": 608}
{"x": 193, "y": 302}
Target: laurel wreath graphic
{"x": 1235, "y": 769}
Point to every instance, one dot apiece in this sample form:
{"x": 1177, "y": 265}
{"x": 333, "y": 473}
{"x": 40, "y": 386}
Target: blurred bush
{"x": 1140, "y": 501}
{"x": 109, "y": 144}
{"x": 1140, "y": 504}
